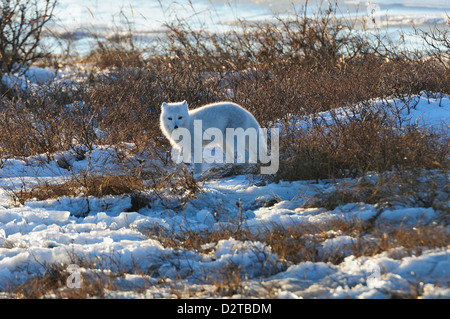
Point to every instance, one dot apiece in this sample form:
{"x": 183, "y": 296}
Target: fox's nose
{"x": 176, "y": 126}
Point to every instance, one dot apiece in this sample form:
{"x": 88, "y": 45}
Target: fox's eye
{"x": 180, "y": 117}
{"x": 169, "y": 118}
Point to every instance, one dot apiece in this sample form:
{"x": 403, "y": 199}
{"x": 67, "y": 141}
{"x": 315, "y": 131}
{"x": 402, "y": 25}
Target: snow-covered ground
{"x": 113, "y": 239}
{"x": 42, "y": 233}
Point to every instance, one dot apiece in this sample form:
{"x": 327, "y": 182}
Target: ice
{"x": 205, "y": 217}
{"x": 427, "y": 267}
{"x": 308, "y": 271}
{"x": 337, "y": 243}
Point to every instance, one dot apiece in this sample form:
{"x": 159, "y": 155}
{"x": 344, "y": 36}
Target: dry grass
{"x": 173, "y": 188}
{"x": 392, "y": 188}
{"x": 301, "y": 242}
{"x": 52, "y": 283}
{"x": 87, "y": 185}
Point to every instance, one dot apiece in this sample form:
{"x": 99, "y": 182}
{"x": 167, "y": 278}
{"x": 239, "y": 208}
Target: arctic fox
{"x": 227, "y": 122}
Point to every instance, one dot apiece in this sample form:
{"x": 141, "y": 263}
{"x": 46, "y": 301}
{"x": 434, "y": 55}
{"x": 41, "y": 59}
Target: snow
{"x": 425, "y": 110}
{"x": 47, "y": 232}
{"x": 36, "y": 234}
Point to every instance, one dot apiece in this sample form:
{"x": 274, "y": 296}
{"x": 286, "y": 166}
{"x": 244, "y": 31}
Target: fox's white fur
{"x": 220, "y": 115}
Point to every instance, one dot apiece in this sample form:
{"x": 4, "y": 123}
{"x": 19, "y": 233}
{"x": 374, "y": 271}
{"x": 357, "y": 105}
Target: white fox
{"x": 227, "y": 122}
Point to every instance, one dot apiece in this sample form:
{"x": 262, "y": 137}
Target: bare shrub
{"x": 387, "y": 189}
{"x": 437, "y": 43}
{"x": 31, "y": 125}
{"x": 367, "y": 139}
{"x": 21, "y": 26}
{"x": 281, "y": 70}
{"x": 118, "y": 50}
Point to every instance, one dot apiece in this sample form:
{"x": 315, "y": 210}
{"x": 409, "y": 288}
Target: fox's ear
{"x": 185, "y": 103}
{"x": 163, "y": 105}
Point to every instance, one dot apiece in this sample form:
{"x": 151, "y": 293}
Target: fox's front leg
{"x": 197, "y": 168}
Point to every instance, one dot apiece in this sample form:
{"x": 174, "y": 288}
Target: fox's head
{"x": 174, "y": 115}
